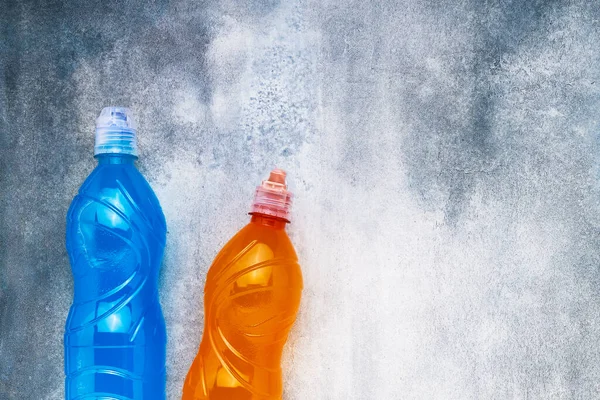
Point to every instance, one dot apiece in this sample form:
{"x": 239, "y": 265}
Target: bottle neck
{"x": 268, "y": 220}
{"x": 115, "y": 158}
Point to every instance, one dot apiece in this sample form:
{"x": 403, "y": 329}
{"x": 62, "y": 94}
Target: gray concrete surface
{"x": 444, "y": 157}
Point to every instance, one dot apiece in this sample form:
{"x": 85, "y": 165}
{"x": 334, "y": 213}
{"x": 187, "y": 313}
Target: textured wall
{"x": 443, "y": 155}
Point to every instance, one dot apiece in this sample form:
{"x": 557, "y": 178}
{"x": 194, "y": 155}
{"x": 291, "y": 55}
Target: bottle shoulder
{"x": 122, "y": 189}
{"x": 276, "y": 241}
{"x": 255, "y": 248}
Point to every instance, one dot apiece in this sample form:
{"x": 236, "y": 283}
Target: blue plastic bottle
{"x": 115, "y": 339}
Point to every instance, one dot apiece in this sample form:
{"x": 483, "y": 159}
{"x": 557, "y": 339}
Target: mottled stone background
{"x": 443, "y": 155}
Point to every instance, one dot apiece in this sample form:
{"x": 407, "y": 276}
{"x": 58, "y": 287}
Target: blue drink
{"x": 115, "y": 337}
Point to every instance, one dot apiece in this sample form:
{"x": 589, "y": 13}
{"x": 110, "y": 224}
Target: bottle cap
{"x": 272, "y": 197}
{"x": 116, "y": 132}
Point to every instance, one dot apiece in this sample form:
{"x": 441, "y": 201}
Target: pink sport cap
{"x": 272, "y": 197}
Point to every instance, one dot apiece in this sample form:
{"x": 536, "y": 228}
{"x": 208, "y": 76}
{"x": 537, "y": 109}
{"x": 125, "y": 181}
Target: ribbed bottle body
{"x": 115, "y": 337}
{"x": 251, "y": 299}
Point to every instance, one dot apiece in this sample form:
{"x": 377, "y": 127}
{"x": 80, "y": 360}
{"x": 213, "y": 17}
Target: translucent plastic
{"x": 116, "y": 132}
{"x": 115, "y": 340}
{"x": 251, "y": 298}
{"x": 272, "y": 197}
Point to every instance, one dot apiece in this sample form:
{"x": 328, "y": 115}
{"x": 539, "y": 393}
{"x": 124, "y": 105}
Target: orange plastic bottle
{"x": 251, "y": 299}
